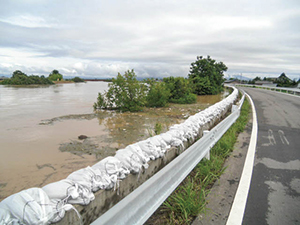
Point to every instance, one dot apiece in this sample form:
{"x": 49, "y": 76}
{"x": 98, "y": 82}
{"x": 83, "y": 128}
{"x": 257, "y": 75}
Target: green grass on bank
{"x": 188, "y": 200}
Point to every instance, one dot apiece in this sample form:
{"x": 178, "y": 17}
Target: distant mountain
{"x": 238, "y": 77}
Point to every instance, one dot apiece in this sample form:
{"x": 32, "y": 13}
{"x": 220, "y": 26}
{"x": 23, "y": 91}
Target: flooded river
{"x": 40, "y": 126}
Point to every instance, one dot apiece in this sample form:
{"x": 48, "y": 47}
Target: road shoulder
{"x": 221, "y": 196}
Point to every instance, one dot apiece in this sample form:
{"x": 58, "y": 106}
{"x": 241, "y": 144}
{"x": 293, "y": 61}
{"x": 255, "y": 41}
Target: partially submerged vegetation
{"x": 77, "y": 80}
{"x": 20, "y": 78}
{"x": 126, "y": 93}
{"x": 189, "y": 199}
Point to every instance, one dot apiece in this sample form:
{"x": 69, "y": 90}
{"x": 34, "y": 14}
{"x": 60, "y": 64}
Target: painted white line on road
{"x": 239, "y": 204}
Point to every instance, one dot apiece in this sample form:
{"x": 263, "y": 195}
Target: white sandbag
{"x": 130, "y": 160}
{"x": 111, "y": 166}
{"x": 69, "y": 191}
{"x": 159, "y": 142}
{"x": 107, "y": 181}
{"x": 61, "y": 207}
{"x": 195, "y": 122}
{"x": 158, "y": 145}
{"x": 136, "y": 149}
{"x": 31, "y": 206}
{"x": 150, "y": 149}
{"x": 90, "y": 179}
{"x": 175, "y": 142}
{"x": 167, "y": 138}
{"x": 177, "y": 132}
{"x": 7, "y": 219}
{"x": 190, "y": 129}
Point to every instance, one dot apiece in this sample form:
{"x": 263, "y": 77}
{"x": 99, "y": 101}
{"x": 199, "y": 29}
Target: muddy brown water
{"x": 40, "y": 128}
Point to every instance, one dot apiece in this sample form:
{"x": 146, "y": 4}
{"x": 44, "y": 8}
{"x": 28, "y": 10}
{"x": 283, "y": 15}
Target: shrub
{"x": 125, "y": 93}
{"x": 77, "y": 80}
{"x": 185, "y": 99}
{"x": 158, "y": 128}
{"x": 20, "y": 78}
{"x": 158, "y": 94}
{"x": 55, "y": 76}
{"x": 101, "y": 102}
{"x": 180, "y": 90}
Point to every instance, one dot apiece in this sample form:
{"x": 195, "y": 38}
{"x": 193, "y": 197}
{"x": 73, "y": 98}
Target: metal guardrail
{"x": 139, "y": 205}
{"x": 295, "y": 91}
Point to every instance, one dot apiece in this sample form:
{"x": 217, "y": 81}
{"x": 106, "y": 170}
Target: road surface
{"x": 274, "y": 195}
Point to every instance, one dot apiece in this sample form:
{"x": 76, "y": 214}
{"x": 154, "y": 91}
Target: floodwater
{"x": 40, "y": 126}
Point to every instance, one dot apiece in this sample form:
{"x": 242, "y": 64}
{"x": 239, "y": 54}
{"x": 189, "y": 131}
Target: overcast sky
{"x": 156, "y": 38}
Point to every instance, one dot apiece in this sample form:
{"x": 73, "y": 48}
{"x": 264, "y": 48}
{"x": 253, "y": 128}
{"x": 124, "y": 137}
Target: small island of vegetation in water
{"x": 126, "y": 93}
{"x": 20, "y": 78}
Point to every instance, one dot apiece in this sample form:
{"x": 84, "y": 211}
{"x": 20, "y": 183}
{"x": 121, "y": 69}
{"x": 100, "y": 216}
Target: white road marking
{"x": 273, "y": 164}
{"x": 283, "y": 137}
{"x": 271, "y": 138}
{"x": 239, "y": 204}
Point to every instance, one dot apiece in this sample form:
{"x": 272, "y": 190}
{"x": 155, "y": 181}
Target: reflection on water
{"x": 34, "y": 154}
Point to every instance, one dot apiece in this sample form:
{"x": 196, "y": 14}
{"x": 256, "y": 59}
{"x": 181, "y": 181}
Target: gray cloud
{"x": 156, "y": 38}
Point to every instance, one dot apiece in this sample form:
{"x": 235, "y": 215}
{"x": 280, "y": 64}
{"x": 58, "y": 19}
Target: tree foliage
{"x": 55, "y": 76}
{"x": 158, "y": 94}
{"x": 20, "y": 78}
{"x": 254, "y": 80}
{"x": 284, "y": 81}
{"x": 125, "y": 93}
{"x": 281, "y": 81}
{"x": 180, "y": 90}
{"x": 77, "y": 80}
{"x": 206, "y": 75}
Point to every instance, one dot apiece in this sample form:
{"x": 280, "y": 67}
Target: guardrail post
{"x": 234, "y": 108}
{"x": 207, "y": 156}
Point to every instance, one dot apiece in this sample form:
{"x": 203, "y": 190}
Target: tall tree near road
{"x": 206, "y": 76}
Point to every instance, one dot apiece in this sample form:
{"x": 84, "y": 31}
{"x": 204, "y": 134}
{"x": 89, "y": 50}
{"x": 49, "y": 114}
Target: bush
{"x": 101, "y": 102}
{"x": 20, "y": 78}
{"x": 77, "y": 80}
{"x": 180, "y": 90}
{"x": 158, "y": 94}
{"x": 55, "y": 76}
{"x": 185, "y": 99}
{"x": 125, "y": 93}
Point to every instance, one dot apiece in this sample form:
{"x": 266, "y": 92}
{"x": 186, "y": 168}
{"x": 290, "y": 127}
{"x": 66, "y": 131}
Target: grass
{"x": 188, "y": 200}
{"x": 158, "y": 128}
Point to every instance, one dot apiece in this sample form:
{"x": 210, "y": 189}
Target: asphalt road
{"x": 274, "y": 195}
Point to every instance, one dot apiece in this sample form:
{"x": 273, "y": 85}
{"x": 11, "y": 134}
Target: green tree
{"x": 55, "y": 76}
{"x": 180, "y": 90}
{"x": 284, "y": 81}
{"x": 77, "y": 80}
{"x": 207, "y": 71}
{"x": 20, "y": 78}
{"x": 125, "y": 93}
{"x": 18, "y": 74}
{"x": 158, "y": 94}
{"x": 101, "y": 102}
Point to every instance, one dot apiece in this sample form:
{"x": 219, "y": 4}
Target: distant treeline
{"x": 100, "y": 79}
{"x": 281, "y": 81}
{"x": 20, "y": 78}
